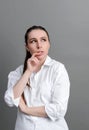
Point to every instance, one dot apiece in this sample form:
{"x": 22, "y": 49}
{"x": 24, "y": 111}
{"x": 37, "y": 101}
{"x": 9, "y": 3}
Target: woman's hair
{"x": 28, "y": 54}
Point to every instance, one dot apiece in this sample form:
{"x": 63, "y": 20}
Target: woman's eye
{"x": 43, "y": 40}
{"x": 33, "y": 41}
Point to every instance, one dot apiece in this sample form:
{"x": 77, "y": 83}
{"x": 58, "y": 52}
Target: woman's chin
{"x": 41, "y": 57}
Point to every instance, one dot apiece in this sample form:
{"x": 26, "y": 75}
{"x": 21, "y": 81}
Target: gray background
{"x": 67, "y": 22}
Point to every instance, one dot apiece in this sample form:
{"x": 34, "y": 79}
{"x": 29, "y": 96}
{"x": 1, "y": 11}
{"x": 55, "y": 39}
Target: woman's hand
{"x": 33, "y": 64}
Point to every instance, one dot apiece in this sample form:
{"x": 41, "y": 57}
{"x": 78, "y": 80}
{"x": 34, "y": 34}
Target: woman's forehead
{"x": 37, "y": 33}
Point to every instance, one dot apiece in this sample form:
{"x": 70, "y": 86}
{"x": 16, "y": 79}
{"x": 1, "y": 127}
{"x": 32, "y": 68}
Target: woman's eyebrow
{"x": 36, "y": 38}
{"x": 32, "y": 39}
{"x": 44, "y": 37}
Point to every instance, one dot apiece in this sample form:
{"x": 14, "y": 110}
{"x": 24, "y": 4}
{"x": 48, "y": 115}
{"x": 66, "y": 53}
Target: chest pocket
{"x": 45, "y": 91}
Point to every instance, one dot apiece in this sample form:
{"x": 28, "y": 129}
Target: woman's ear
{"x": 26, "y": 47}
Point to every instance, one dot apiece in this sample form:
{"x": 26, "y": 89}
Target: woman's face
{"x": 38, "y": 43}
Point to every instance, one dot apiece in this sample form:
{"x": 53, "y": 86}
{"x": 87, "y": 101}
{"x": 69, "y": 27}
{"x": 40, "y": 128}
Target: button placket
{"x": 33, "y": 86}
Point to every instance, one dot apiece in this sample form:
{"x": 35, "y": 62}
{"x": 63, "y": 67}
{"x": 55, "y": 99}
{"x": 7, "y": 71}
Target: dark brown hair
{"x": 28, "y": 54}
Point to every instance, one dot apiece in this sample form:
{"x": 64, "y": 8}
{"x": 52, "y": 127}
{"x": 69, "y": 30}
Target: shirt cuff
{"x": 9, "y": 98}
{"x": 16, "y": 100}
{"x": 51, "y": 111}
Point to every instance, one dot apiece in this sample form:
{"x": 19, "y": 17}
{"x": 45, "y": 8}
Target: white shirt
{"x": 50, "y": 87}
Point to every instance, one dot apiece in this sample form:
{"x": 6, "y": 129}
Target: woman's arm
{"x": 20, "y": 85}
{"x": 33, "y": 65}
{"x": 36, "y": 111}
{"x": 17, "y": 82}
{"x": 33, "y": 111}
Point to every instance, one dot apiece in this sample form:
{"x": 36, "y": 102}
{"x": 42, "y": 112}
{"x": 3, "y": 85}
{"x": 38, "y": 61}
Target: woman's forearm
{"x": 36, "y": 111}
{"x": 33, "y": 111}
{"x": 20, "y": 85}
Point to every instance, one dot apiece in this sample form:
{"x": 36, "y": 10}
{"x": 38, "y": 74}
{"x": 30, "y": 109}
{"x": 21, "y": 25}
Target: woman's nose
{"x": 39, "y": 44}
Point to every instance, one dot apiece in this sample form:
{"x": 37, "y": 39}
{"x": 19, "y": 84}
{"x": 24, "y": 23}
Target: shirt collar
{"x": 48, "y": 61}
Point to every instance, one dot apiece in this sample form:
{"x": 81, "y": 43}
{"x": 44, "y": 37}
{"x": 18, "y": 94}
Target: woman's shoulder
{"x": 57, "y": 64}
{"x": 19, "y": 69}
{"x": 17, "y": 72}
{"x": 59, "y": 68}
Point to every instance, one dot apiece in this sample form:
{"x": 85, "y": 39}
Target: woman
{"x": 40, "y": 87}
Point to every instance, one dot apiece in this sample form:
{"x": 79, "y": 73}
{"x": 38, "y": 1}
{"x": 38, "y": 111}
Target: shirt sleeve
{"x": 13, "y": 77}
{"x": 60, "y": 95}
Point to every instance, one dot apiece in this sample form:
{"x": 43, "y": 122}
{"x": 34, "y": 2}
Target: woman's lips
{"x": 39, "y": 53}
